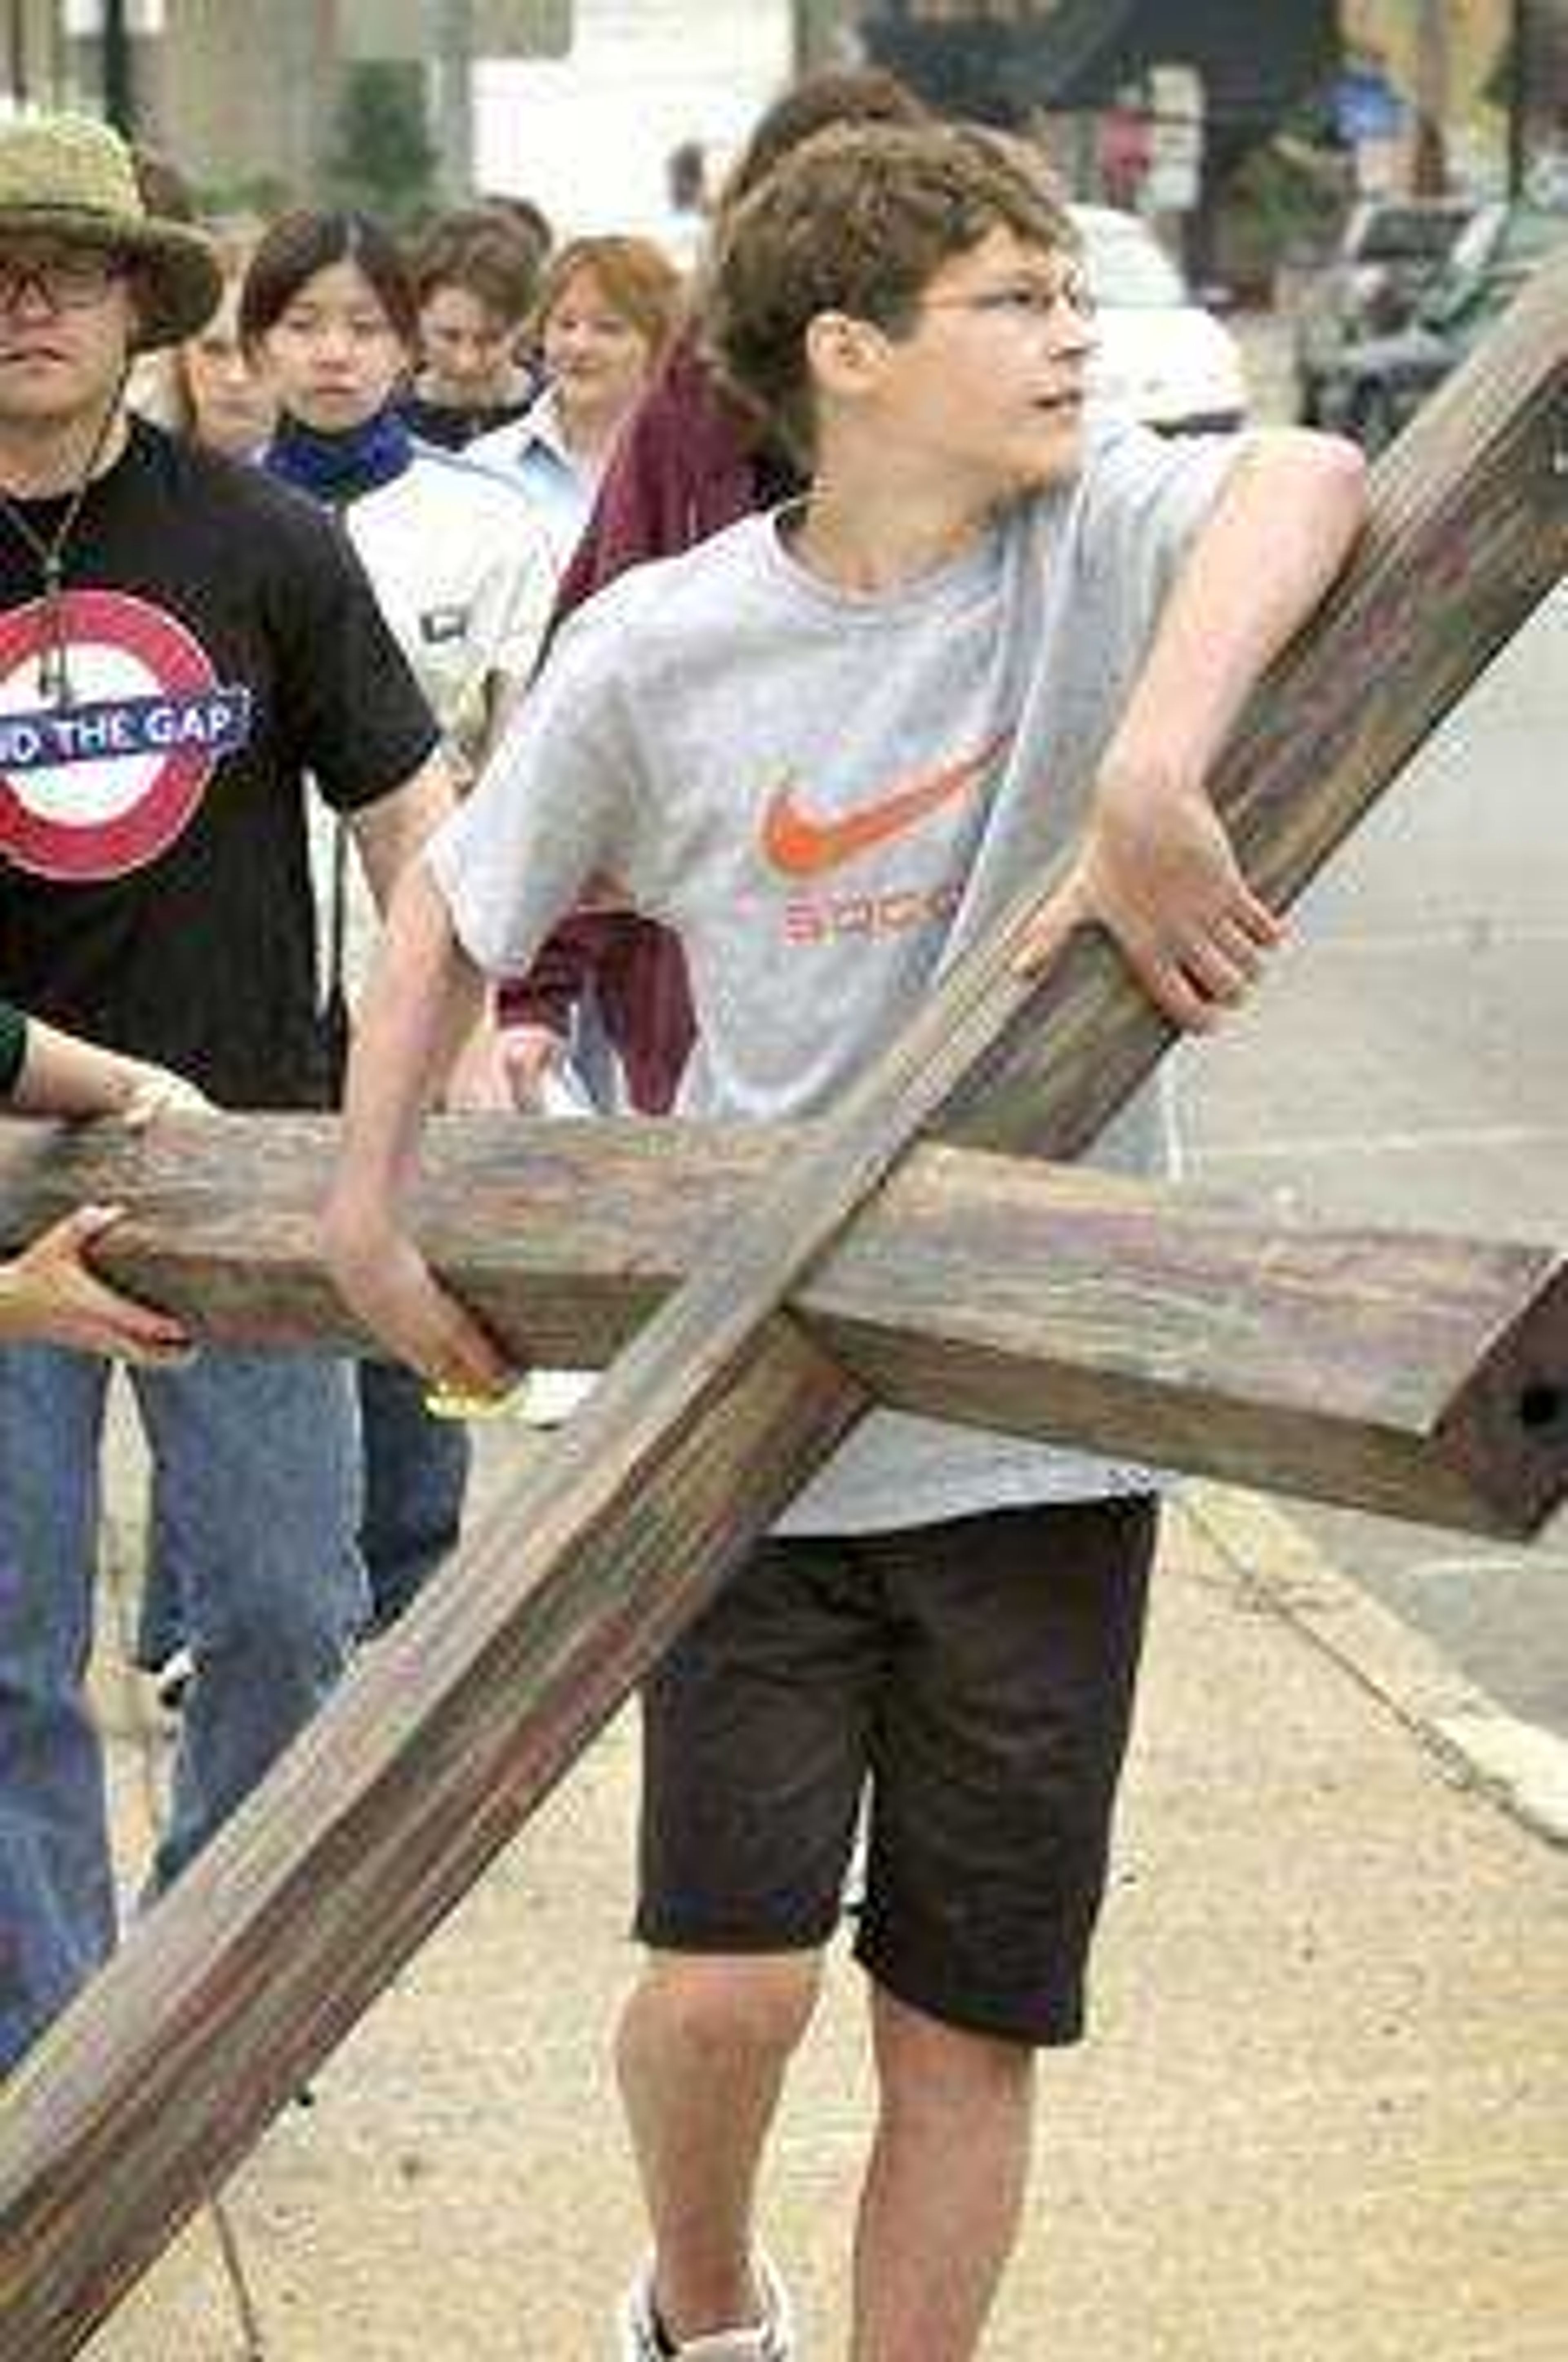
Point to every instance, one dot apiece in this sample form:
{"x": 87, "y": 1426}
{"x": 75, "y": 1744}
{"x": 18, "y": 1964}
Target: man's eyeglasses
{"x": 1030, "y": 303}
{"x": 70, "y": 281}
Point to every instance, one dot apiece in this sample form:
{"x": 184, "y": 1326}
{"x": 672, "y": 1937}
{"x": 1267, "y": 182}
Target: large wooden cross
{"x": 776, "y": 1287}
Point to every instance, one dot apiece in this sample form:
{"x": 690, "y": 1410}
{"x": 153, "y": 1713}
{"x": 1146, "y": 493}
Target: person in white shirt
{"x": 463, "y": 574}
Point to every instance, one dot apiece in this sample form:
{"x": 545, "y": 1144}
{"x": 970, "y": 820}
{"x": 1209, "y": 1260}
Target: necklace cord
{"x": 54, "y": 667}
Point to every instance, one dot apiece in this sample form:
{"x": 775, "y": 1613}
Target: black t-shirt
{"x": 221, "y": 641}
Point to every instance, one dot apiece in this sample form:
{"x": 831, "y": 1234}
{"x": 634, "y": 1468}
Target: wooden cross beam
{"x": 444, "y": 1736}
{"x": 1419, "y": 1377}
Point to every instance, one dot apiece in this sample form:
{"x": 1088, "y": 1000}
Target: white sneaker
{"x": 772, "y": 2339}
{"x": 551, "y": 1397}
{"x": 171, "y": 1680}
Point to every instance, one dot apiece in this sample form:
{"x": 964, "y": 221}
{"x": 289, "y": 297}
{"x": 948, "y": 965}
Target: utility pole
{"x": 119, "y": 98}
{"x": 454, "y": 97}
{"x": 16, "y": 51}
{"x": 1519, "y": 94}
{"x": 1431, "y": 97}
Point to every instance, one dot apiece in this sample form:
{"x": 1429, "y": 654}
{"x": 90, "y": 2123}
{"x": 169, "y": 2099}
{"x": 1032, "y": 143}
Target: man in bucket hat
{"x": 182, "y": 641}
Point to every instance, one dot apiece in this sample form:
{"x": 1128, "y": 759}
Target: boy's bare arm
{"x": 1155, "y": 868}
{"x": 422, "y": 1002}
{"x": 389, "y": 837}
{"x": 389, "y": 833}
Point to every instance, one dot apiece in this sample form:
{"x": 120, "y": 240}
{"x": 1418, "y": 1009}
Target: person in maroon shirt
{"x": 689, "y": 463}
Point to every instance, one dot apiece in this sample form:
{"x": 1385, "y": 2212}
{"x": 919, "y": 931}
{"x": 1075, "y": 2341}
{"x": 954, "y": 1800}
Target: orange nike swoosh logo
{"x": 805, "y": 846}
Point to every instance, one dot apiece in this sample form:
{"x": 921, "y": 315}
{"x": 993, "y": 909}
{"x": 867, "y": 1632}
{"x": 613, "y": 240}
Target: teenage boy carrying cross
{"x": 827, "y": 747}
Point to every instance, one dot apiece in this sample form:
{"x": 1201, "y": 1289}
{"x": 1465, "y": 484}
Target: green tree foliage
{"x": 383, "y": 160}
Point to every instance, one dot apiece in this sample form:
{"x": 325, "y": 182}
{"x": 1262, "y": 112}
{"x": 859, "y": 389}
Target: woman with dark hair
{"x": 464, "y": 577}
{"x": 328, "y": 313}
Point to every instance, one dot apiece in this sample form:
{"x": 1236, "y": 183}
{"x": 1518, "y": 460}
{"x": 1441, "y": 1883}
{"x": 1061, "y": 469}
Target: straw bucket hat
{"x": 66, "y": 176}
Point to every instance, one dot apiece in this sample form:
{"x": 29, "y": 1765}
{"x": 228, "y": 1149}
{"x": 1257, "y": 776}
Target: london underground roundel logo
{"x": 101, "y": 783}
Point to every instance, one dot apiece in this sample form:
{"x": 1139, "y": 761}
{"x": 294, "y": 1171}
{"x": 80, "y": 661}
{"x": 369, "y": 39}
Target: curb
{"x": 1516, "y": 1764}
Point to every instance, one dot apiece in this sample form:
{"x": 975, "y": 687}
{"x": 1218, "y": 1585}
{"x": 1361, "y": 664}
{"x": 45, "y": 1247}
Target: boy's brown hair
{"x": 859, "y": 220}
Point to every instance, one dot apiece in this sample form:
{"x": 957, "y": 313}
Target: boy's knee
{"x": 718, "y": 2005}
{"x": 925, "y": 2060}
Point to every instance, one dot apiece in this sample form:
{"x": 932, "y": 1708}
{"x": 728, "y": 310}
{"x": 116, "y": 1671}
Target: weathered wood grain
{"x": 164, "y": 2070}
{"x": 1421, "y": 1376}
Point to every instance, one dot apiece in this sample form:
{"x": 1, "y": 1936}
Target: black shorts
{"x": 974, "y": 1682}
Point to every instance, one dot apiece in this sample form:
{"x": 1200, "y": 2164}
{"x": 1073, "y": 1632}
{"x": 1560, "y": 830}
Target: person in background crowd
{"x": 687, "y": 463}
{"x": 166, "y": 193}
{"x": 154, "y": 895}
{"x": 49, "y": 1294}
{"x": 607, "y": 311}
{"x": 683, "y": 228}
{"x": 476, "y": 276}
{"x": 215, "y": 396}
{"x": 529, "y": 219}
{"x": 465, "y": 578}
{"x": 463, "y": 572}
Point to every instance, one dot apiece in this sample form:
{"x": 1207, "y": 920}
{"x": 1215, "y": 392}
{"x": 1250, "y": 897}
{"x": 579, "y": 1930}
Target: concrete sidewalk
{"x": 1324, "y": 2117}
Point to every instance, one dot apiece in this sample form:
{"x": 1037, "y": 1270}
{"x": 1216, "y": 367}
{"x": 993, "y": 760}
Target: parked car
{"x": 1391, "y": 252}
{"x": 1504, "y": 237}
{"x": 1162, "y": 355}
{"x": 1382, "y": 381}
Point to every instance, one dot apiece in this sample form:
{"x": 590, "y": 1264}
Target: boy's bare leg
{"x": 704, "y": 2045}
{"x": 940, "y": 2210}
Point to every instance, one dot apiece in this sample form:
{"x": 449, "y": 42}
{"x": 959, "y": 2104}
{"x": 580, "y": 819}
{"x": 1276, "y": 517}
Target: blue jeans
{"x": 260, "y": 1456}
{"x": 415, "y": 1473}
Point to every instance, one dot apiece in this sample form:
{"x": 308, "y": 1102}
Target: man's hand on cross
{"x": 1156, "y": 870}
{"x": 51, "y": 1294}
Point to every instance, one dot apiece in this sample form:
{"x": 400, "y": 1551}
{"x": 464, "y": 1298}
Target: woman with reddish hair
{"x": 608, "y": 309}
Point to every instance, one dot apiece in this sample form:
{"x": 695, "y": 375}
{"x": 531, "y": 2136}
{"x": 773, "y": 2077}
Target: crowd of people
{"x": 317, "y": 785}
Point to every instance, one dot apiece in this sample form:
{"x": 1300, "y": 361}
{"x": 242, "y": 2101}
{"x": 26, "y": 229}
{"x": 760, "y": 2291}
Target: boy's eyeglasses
{"x": 69, "y": 282}
{"x": 1030, "y": 303}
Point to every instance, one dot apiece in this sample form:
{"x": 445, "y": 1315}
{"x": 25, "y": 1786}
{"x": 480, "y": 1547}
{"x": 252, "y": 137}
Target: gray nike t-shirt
{"x": 828, "y": 796}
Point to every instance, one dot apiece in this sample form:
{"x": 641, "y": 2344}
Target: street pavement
{"x": 1323, "y": 2116}
{"x": 1407, "y": 1063}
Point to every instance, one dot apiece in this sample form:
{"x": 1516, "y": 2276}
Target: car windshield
{"x": 1529, "y": 234}
{"x": 1409, "y": 233}
{"x": 1494, "y": 246}
{"x": 1127, "y": 270}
